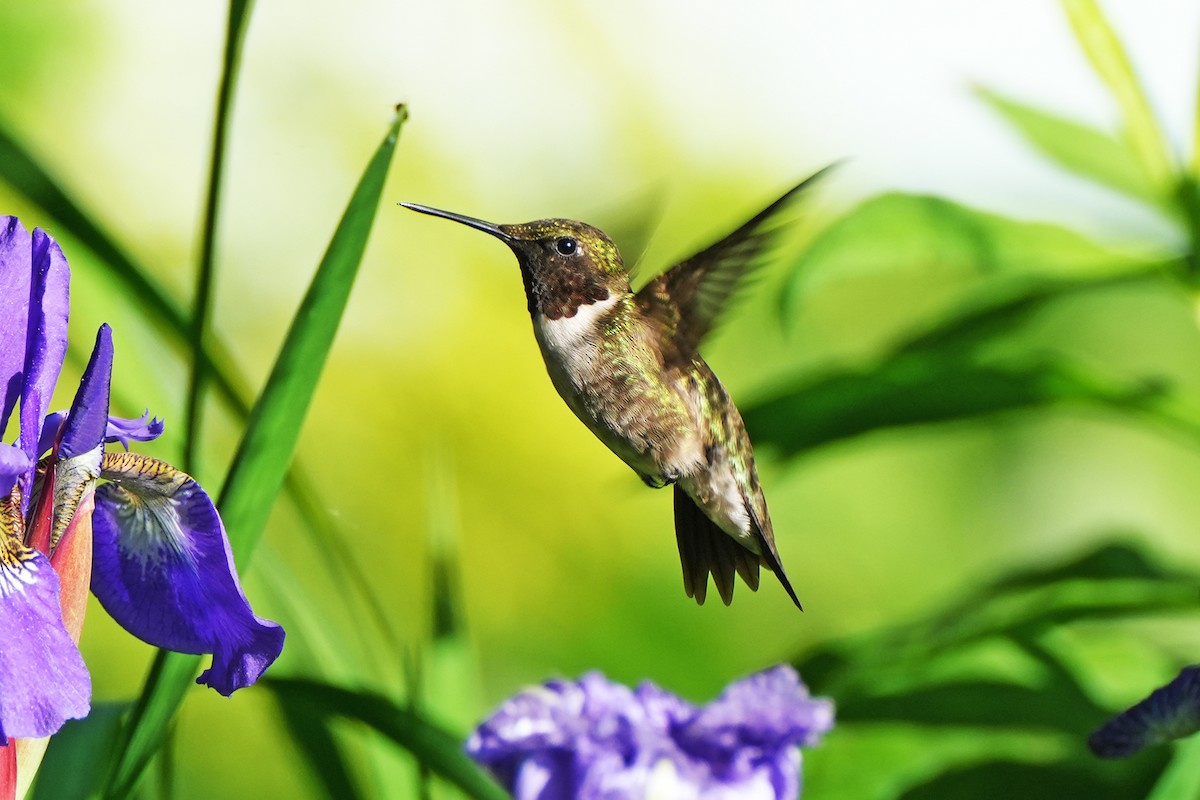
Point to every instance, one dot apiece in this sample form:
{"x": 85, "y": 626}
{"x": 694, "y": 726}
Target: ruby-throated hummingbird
{"x": 627, "y": 364}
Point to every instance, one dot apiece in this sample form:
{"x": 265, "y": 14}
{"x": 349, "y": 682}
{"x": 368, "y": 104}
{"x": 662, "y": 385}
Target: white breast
{"x": 570, "y": 347}
{"x": 567, "y": 333}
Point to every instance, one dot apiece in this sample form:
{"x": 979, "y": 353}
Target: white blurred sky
{"x": 787, "y": 85}
{"x": 535, "y": 85}
{"x": 525, "y": 97}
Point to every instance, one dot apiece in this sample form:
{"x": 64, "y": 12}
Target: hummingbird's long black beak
{"x": 477, "y": 224}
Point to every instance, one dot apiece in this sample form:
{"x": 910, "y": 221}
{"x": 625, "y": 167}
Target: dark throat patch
{"x": 558, "y": 293}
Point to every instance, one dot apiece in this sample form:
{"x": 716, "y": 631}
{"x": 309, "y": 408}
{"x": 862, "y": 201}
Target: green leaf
{"x": 265, "y": 451}
{"x": 448, "y": 664}
{"x": 1083, "y": 150}
{"x": 1104, "y": 50}
{"x": 433, "y": 747}
{"x": 989, "y": 664}
{"x": 899, "y": 232}
{"x": 945, "y": 373}
{"x": 74, "y": 762}
{"x": 1113, "y": 561}
{"x": 262, "y": 457}
{"x": 1195, "y": 161}
{"x": 1180, "y": 780}
{"x": 922, "y": 389}
{"x": 1111, "y": 581}
{"x": 1029, "y": 781}
{"x": 323, "y": 755}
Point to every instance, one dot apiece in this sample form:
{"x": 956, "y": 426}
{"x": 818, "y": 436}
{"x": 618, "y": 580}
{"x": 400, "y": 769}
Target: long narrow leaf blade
{"x": 433, "y": 747}
{"x": 261, "y": 462}
{"x": 1085, "y": 151}
{"x": 942, "y": 375}
{"x": 1102, "y": 47}
{"x": 323, "y": 754}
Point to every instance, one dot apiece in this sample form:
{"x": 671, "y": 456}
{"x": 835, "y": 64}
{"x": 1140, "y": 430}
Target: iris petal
{"x": 16, "y": 253}
{"x": 13, "y": 464}
{"x": 87, "y": 421}
{"x": 82, "y": 446}
{"x": 43, "y": 681}
{"x": 163, "y": 569}
{"x": 119, "y": 430}
{"x": 51, "y": 427}
{"x": 34, "y": 280}
{"x": 46, "y": 337}
{"x": 142, "y": 429}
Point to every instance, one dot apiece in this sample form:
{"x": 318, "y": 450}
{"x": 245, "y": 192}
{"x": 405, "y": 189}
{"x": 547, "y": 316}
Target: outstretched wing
{"x": 689, "y": 297}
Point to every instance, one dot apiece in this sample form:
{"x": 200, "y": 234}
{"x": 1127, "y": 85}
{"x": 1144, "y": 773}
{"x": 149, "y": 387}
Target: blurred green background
{"x": 438, "y": 446}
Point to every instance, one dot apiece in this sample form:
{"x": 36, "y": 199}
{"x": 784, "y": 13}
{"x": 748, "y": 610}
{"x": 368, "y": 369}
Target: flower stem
{"x": 239, "y": 18}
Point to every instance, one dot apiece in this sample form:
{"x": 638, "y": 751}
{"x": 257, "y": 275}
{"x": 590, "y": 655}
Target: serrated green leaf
{"x": 1107, "y": 56}
{"x": 433, "y": 747}
{"x": 1083, "y": 150}
{"x": 265, "y": 451}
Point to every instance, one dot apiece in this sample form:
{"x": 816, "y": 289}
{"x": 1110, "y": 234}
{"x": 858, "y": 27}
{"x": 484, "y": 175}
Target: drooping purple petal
{"x": 142, "y": 429}
{"x": 43, "y": 681}
{"x": 163, "y": 569}
{"x": 1170, "y": 712}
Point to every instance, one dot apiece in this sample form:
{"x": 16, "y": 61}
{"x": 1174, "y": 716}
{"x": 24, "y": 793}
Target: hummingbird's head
{"x": 564, "y": 264}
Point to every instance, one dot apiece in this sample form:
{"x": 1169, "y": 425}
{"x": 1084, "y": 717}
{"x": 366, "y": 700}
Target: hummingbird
{"x": 628, "y": 365}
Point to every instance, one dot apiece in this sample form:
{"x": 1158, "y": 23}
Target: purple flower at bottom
{"x": 598, "y": 740}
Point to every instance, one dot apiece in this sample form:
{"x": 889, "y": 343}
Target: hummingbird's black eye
{"x": 566, "y": 245}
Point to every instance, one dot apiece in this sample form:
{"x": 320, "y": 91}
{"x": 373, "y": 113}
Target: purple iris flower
{"x": 598, "y": 740}
{"x": 143, "y": 535}
{"x": 1170, "y": 712}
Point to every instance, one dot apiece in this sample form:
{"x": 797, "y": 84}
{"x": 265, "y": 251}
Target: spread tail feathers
{"x": 705, "y": 548}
